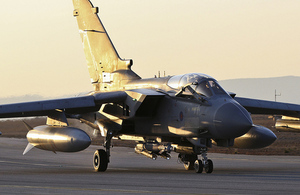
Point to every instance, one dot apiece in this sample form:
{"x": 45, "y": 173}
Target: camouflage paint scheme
{"x": 184, "y": 113}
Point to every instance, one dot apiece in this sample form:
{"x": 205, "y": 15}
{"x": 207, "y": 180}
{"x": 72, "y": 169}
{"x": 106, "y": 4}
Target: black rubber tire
{"x": 100, "y": 160}
{"x": 198, "y": 166}
{"x": 209, "y": 167}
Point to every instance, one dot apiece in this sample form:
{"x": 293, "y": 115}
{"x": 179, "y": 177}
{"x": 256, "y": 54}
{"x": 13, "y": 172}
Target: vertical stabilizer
{"x": 107, "y": 70}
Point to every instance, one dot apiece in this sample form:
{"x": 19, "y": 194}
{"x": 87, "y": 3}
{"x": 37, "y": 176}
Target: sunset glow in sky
{"x": 41, "y": 51}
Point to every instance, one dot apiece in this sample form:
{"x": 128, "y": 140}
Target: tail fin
{"x": 107, "y": 70}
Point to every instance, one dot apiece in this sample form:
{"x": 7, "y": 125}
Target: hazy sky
{"x": 41, "y": 51}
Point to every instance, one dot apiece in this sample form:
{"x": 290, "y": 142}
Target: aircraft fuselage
{"x": 175, "y": 114}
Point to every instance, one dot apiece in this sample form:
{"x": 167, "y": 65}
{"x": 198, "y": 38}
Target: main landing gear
{"x": 101, "y": 157}
{"x": 100, "y": 160}
{"x": 191, "y": 161}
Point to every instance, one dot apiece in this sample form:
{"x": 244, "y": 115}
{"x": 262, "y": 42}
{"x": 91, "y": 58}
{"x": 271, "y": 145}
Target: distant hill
{"x": 258, "y": 88}
{"x": 24, "y": 98}
{"x": 264, "y": 88}
{"x": 28, "y": 98}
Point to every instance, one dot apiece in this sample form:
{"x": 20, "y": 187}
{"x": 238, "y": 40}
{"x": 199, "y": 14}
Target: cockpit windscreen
{"x": 201, "y": 83}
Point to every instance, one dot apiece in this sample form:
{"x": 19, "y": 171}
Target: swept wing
{"x": 74, "y": 105}
{"x": 255, "y": 106}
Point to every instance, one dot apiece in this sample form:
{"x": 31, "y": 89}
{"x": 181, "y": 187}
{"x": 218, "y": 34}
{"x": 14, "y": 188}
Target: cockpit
{"x": 202, "y": 84}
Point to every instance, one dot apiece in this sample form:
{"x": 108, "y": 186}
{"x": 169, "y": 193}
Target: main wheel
{"x": 209, "y": 167}
{"x": 198, "y": 166}
{"x": 100, "y": 160}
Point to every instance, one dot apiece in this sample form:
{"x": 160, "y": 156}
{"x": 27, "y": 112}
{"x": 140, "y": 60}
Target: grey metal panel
{"x": 255, "y": 106}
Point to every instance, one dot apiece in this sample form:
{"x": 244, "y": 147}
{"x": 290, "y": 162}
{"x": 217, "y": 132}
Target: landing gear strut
{"x": 205, "y": 163}
{"x": 101, "y": 157}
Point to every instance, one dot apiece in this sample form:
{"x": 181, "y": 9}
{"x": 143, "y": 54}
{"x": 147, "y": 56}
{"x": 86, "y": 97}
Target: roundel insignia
{"x": 181, "y": 116}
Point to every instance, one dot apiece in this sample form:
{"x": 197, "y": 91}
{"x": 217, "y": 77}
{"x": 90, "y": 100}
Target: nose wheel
{"x": 209, "y": 167}
{"x": 191, "y": 162}
{"x": 205, "y": 164}
{"x": 199, "y": 165}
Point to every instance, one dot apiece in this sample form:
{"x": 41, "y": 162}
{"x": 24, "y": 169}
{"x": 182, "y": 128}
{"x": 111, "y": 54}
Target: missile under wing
{"x": 185, "y": 113}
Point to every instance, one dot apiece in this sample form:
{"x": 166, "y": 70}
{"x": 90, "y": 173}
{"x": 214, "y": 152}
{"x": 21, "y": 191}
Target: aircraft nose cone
{"x": 232, "y": 120}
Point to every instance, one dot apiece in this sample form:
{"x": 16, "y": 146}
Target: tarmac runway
{"x": 43, "y": 172}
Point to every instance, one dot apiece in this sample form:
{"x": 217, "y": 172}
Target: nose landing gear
{"x": 207, "y": 163}
{"x": 191, "y": 162}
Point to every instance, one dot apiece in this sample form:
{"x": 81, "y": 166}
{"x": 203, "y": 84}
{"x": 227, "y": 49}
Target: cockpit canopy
{"x": 201, "y": 83}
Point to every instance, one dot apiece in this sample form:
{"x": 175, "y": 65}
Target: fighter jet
{"x": 185, "y": 113}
